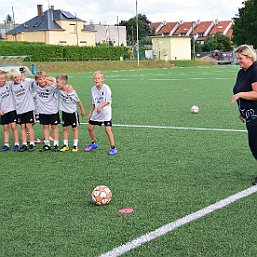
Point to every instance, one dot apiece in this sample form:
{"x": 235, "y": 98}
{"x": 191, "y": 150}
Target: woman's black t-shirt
{"x": 244, "y": 81}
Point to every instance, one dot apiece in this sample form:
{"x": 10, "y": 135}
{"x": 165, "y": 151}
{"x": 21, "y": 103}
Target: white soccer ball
{"x": 101, "y": 195}
{"x": 194, "y": 109}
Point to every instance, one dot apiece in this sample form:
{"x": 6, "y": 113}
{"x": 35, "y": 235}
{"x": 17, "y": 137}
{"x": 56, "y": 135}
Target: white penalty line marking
{"x": 118, "y": 251}
{"x": 175, "y": 127}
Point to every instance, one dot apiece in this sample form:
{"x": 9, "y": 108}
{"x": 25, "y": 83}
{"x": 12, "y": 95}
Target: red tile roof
{"x": 219, "y": 27}
{"x": 182, "y": 29}
{"x": 166, "y": 29}
{"x": 154, "y": 25}
{"x": 202, "y": 26}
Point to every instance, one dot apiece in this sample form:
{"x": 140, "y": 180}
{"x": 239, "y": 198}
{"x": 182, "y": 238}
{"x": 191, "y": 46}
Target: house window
{"x": 83, "y": 42}
{"x": 72, "y": 28}
{"x": 220, "y": 27}
{"x": 201, "y": 34}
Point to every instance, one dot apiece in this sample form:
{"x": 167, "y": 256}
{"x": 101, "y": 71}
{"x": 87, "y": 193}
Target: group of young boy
{"x": 21, "y": 98}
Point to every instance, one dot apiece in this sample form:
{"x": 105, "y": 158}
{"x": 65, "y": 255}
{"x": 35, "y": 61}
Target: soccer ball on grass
{"x": 101, "y": 195}
{"x": 194, "y": 109}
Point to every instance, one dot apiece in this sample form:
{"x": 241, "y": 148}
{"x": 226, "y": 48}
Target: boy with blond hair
{"x": 68, "y": 106}
{"x": 8, "y": 113}
{"x": 100, "y": 113}
{"x": 47, "y": 106}
{"x": 24, "y": 104}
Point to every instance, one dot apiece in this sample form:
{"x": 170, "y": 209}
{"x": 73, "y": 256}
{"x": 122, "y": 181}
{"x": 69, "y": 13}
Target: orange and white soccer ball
{"x": 101, "y": 195}
{"x": 194, "y": 109}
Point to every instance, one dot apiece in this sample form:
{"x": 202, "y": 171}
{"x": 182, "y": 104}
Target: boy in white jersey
{"x": 100, "y": 113}
{"x": 8, "y": 114}
{"x": 68, "y": 106}
{"x": 47, "y": 106}
{"x": 24, "y": 104}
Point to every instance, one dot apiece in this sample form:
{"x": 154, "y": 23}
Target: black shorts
{"x": 49, "y": 119}
{"x": 70, "y": 119}
{"x": 27, "y": 117}
{"x": 8, "y": 118}
{"x": 100, "y": 123}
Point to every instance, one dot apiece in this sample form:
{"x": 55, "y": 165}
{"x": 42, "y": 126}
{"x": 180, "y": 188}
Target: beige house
{"x": 56, "y": 27}
{"x": 169, "y": 48}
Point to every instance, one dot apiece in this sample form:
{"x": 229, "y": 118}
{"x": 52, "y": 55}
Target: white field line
{"x": 118, "y": 251}
{"x": 166, "y": 79}
{"x": 175, "y": 128}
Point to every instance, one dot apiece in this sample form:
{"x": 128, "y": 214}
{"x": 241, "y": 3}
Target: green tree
{"x": 144, "y": 30}
{"x": 244, "y": 30}
{"x": 217, "y": 42}
{"x": 8, "y": 19}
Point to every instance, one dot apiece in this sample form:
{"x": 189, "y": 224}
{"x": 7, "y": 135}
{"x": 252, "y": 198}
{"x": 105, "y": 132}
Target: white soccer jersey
{"x": 46, "y": 99}
{"x": 68, "y": 101}
{"x": 100, "y": 96}
{"x": 6, "y": 98}
{"x": 23, "y": 96}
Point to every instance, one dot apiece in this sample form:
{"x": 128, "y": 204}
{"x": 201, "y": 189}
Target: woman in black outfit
{"x": 245, "y": 93}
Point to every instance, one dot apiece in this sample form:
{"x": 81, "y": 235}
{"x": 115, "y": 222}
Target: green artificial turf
{"x": 162, "y": 173}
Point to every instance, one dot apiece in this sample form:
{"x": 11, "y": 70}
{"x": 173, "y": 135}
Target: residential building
{"x": 5, "y": 27}
{"x": 200, "y": 30}
{"x": 184, "y": 28}
{"x": 55, "y": 27}
{"x": 109, "y": 34}
{"x": 171, "y": 47}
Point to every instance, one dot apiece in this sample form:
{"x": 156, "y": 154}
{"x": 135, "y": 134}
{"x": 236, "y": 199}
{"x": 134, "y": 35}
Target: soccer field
{"x": 170, "y": 163}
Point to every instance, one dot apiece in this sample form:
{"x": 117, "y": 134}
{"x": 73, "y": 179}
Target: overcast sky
{"x": 106, "y": 11}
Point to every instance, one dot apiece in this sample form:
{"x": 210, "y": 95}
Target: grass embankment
{"x": 55, "y": 67}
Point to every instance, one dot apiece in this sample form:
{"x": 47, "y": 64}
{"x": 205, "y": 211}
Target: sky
{"x": 111, "y": 11}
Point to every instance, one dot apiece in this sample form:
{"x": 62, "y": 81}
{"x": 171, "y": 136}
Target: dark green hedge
{"x": 41, "y": 52}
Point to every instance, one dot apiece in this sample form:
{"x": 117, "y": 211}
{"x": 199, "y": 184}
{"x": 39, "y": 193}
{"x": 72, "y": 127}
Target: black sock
{"x": 113, "y": 146}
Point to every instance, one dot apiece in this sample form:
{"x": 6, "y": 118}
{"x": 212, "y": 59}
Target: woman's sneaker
{"x": 91, "y": 147}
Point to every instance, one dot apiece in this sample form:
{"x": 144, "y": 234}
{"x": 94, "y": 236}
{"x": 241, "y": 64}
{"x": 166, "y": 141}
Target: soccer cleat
{"x": 254, "y": 183}
{"x": 5, "y": 148}
{"x": 64, "y": 148}
{"x": 23, "y": 148}
{"x": 90, "y": 147}
{"x": 112, "y": 151}
{"x": 16, "y": 148}
{"x": 74, "y": 149}
{"x": 56, "y": 148}
{"x": 31, "y": 148}
{"x": 45, "y": 148}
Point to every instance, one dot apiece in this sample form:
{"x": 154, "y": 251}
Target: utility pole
{"x": 137, "y": 36}
{"x": 193, "y": 40}
{"x": 118, "y": 31}
{"x": 14, "y": 26}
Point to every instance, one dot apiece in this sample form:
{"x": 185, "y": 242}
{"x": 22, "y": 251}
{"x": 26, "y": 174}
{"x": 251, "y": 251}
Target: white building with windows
{"x": 109, "y": 34}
